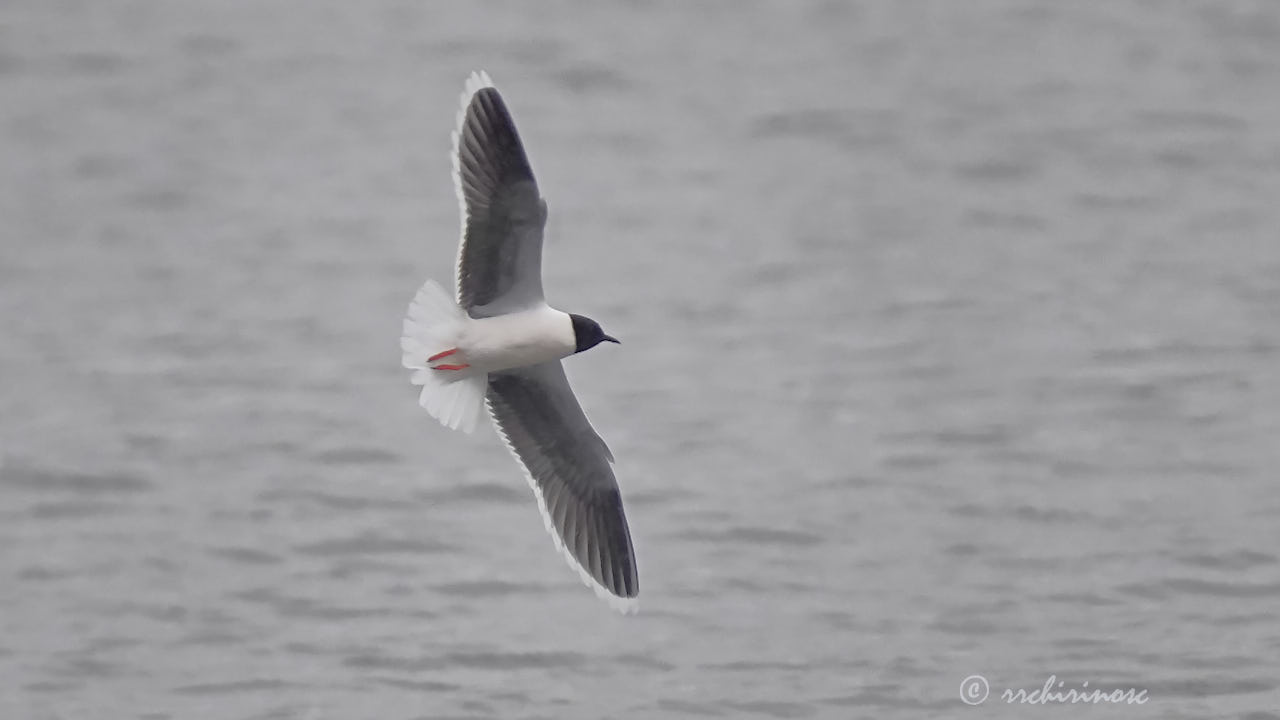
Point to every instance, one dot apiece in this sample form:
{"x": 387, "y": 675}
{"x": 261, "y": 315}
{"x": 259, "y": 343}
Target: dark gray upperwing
{"x": 569, "y": 467}
{"x": 500, "y": 257}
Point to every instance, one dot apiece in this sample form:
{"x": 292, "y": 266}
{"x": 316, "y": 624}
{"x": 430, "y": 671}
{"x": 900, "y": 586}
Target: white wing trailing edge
{"x": 476, "y": 82}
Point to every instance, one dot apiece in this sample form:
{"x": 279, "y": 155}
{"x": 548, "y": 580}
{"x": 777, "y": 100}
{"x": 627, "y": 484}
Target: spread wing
{"x": 500, "y": 254}
{"x": 568, "y": 466}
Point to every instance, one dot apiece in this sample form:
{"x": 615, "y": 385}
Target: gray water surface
{"x": 951, "y": 347}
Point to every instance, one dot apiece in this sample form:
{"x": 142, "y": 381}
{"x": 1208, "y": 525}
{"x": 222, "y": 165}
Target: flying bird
{"x": 499, "y": 346}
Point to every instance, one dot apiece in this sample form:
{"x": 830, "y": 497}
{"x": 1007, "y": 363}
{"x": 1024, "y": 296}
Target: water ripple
{"x": 370, "y": 543}
{"x": 246, "y": 556}
{"x": 23, "y": 478}
{"x": 753, "y": 536}
{"x": 497, "y": 493}
{"x": 355, "y": 455}
{"x": 488, "y": 588}
{"x": 234, "y": 687}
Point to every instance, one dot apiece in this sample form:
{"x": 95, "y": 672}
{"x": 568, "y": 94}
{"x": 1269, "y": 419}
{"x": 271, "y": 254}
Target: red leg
{"x": 450, "y": 367}
{"x": 444, "y": 354}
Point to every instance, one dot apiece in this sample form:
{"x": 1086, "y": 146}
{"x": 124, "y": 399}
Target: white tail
{"x": 454, "y": 397}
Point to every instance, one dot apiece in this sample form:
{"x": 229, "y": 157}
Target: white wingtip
{"x": 475, "y": 81}
{"x": 625, "y": 606}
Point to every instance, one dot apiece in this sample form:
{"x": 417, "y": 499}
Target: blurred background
{"x": 951, "y": 346}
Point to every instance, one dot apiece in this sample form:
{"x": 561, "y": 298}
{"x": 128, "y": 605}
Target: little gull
{"x": 500, "y": 346}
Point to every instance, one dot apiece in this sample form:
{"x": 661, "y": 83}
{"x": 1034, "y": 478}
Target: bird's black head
{"x": 587, "y": 333}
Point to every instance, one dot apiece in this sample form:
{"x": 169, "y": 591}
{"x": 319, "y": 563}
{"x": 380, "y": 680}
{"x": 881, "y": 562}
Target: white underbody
{"x": 452, "y": 353}
{"x": 540, "y": 334}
